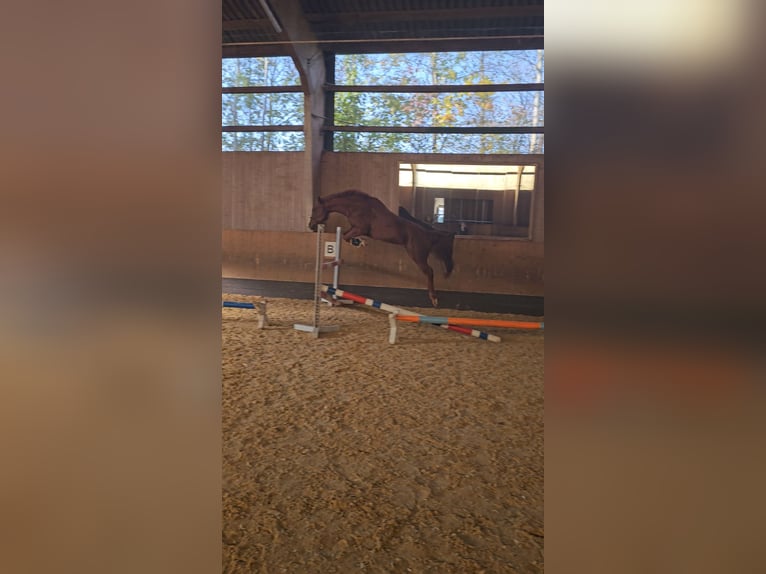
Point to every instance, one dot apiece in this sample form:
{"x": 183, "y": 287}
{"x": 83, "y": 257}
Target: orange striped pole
{"x": 396, "y": 310}
{"x": 471, "y": 321}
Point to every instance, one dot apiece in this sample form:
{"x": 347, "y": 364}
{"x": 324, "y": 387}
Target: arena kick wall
{"x": 267, "y": 203}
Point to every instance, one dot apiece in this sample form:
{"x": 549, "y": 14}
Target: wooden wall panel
{"x": 538, "y": 207}
{"x": 373, "y": 173}
{"x": 482, "y": 265}
{"x": 265, "y": 191}
{"x": 378, "y": 175}
{"x": 267, "y": 204}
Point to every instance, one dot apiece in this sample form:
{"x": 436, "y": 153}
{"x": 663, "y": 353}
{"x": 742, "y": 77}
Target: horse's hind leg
{"x": 431, "y": 292}
{"x": 449, "y": 265}
{"x": 421, "y": 260}
{"x": 443, "y": 250}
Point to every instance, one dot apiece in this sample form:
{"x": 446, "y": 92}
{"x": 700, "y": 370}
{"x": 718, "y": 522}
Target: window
{"x": 492, "y": 200}
{"x": 442, "y": 102}
{"x": 439, "y": 209}
{"x": 466, "y": 210}
{"x": 490, "y": 102}
{"x": 262, "y": 105}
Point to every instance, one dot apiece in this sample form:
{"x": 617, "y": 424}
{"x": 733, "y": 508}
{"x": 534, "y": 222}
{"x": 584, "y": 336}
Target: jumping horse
{"x": 370, "y": 218}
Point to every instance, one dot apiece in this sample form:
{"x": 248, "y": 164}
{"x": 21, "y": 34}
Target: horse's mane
{"x": 357, "y": 196}
{"x": 349, "y": 193}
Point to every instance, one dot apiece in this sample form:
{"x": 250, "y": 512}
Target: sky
{"x": 499, "y": 109}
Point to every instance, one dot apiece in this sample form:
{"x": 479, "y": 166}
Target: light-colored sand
{"x": 348, "y": 454}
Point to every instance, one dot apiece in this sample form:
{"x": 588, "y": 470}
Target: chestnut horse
{"x": 370, "y": 218}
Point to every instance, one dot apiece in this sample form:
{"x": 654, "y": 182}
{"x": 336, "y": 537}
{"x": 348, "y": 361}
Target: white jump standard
{"x": 315, "y": 329}
{"x": 335, "y": 263}
{"x": 260, "y": 306}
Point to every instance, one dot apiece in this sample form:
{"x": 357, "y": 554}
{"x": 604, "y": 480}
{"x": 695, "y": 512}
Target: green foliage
{"x": 483, "y": 109}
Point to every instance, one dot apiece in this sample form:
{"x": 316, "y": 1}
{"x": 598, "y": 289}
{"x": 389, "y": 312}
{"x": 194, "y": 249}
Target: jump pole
{"x": 315, "y": 329}
{"x": 260, "y": 306}
{"x": 393, "y": 310}
{"x": 414, "y": 318}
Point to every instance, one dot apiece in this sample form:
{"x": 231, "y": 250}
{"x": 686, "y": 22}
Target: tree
{"x": 261, "y": 109}
{"x": 484, "y": 109}
{"x": 440, "y": 109}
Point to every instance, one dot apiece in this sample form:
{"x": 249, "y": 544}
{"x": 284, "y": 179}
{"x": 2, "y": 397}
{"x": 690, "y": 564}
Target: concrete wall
{"x": 267, "y": 205}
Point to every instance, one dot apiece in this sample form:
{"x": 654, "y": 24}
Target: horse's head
{"x": 318, "y": 215}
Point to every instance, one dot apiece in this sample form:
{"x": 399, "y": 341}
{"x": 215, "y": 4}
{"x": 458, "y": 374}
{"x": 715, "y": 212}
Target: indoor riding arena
{"x": 366, "y": 429}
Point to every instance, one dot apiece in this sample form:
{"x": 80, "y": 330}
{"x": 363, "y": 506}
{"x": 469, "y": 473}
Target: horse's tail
{"x": 404, "y": 214}
{"x": 443, "y": 250}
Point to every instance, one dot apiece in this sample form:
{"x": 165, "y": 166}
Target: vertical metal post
{"x": 336, "y": 268}
{"x": 329, "y": 102}
{"x": 516, "y": 193}
{"x": 318, "y": 278}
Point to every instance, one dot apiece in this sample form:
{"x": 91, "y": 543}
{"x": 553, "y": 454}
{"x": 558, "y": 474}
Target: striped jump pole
{"x": 415, "y": 318}
{"x": 398, "y": 310}
{"x": 238, "y": 305}
{"x": 260, "y": 306}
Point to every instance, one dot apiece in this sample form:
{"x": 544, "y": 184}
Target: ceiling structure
{"x": 271, "y": 27}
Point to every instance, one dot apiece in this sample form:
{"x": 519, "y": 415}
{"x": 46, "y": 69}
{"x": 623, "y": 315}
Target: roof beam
{"x": 247, "y": 24}
{"x": 297, "y": 34}
{"x": 405, "y": 45}
{"x": 428, "y": 15}
{"x": 392, "y": 46}
{"x": 254, "y": 50}
{"x": 266, "y": 7}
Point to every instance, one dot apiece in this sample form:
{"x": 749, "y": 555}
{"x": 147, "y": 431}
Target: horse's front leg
{"x": 354, "y": 233}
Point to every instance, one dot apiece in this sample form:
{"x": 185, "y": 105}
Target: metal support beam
{"x": 329, "y": 101}
{"x": 489, "y": 13}
{"x": 310, "y": 63}
{"x": 436, "y": 89}
{"x": 439, "y": 129}
{"x": 262, "y": 129}
{"x": 261, "y": 89}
